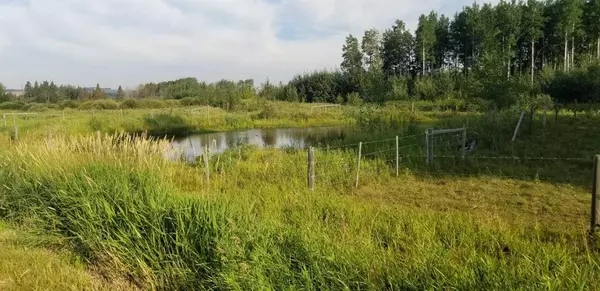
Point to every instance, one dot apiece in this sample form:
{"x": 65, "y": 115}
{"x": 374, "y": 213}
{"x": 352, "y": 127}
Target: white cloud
{"x": 131, "y": 41}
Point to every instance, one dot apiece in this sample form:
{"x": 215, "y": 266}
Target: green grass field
{"x": 112, "y": 208}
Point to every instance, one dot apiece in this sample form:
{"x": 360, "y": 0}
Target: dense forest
{"x": 510, "y": 54}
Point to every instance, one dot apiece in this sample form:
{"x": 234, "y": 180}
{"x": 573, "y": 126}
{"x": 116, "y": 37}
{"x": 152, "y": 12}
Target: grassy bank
{"x": 26, "y": 265}
{"x": 173, "y": 121}
{"x": 123, "y": 209}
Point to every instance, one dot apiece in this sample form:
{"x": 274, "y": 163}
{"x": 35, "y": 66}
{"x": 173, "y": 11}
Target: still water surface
{"x": 219, "y": 142}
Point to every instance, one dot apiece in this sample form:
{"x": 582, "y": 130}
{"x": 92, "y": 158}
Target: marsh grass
{"x": 121, "y": 207}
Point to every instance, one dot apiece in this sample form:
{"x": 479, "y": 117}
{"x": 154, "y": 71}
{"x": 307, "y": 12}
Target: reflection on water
{"x": 191, "y": 146}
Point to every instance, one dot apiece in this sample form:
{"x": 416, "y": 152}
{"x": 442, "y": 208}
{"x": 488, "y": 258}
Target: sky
{"x": 128, "y": 42}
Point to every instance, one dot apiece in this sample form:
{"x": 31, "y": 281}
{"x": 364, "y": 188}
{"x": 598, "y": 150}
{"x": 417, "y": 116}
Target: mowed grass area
{"x": 130, "y": 215}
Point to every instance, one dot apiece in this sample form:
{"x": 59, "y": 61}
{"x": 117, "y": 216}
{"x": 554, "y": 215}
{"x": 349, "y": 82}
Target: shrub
{"x": 354, "y": 99}
{"x": 172, "y": 103}
{"x": 129, "y": 104}
{"x": 270, "y": 111}
{"x": 69, "y": 104}
{"x": 11, "y": 105}
{"x": 150, "y": 104}
{"x": 189, "y": 101}
{"x": 37, "y": 107}
{"x": 425, "y": 88}
{"x": 99, "y": 105}
{"x": 167, "y": 124}
{"x": 582, "y": 84}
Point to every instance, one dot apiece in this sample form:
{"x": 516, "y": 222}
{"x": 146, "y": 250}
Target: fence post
{"x": 595, "y": 189}
{"x": 555, "y": 112}
{"x": 464, "y": 143}
{"x": 397, "y": 156}
{"x": 358, "y": 164}
{"x": 311, "y": 168}
{"x": 518, "y": 125}
{"x": 575, "y": 110}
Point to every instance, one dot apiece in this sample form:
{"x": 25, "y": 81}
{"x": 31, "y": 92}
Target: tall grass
{"x": 122, "y": 207}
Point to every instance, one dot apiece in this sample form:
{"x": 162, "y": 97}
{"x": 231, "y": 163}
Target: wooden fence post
{"x": 397, "y": 156}
{"x": 595, "y": 189}
{"x": 575, "y": 110}
{"x": 358, "y": 164}
{"x": 311, "y": 168}
{"x": 555, "y": 112}
{"x": 518, "y": 125}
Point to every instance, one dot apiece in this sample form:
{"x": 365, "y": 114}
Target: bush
{"x": 151, "y": 104}
{"x": 170, "y": 103}
{"x": 425, "y": 88}
{"x": 354, "y": 99}
{"x": 189, "y": 101}
{"x": 270, "y": 111}
{"x": 69, "y": 104}
{"x": 162, "y": 124}
{"x": 129, "y": 104}
{"x": 582, "y": 84}
{"x": 34, "y": 107}
{"x": 99, "y": 105}
{"x": 11, "y": 105}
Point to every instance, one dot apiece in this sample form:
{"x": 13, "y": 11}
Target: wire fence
{"x": 393, "y": 156}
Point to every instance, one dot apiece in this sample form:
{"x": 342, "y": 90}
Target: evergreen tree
{"x": 98, "y": 93}
{"x": 28, "y": 91}
{"x": 120, "y": 93}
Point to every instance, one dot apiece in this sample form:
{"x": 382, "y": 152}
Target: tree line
{"x": 502, "y": 53}
{"x": 495, "y": 55}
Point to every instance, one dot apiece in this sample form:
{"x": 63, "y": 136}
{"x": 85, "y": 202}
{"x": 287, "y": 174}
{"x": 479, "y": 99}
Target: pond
{"x": 296, "y": 138}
